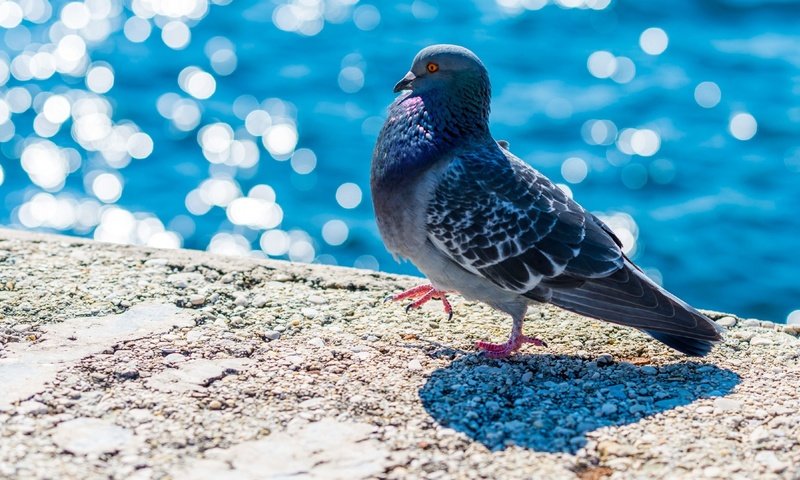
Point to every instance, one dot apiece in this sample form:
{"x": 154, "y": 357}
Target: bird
{"x": 478, "y": 221}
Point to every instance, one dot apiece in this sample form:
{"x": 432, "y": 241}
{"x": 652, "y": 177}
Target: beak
{"x": 405, "y": 83}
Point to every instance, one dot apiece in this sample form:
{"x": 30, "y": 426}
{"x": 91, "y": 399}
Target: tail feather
{"x": 689, "y": 346}
{"x": 628, "y": 297}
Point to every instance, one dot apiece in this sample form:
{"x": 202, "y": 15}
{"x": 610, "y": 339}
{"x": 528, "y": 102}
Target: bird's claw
{"x": 421, "y": 295}
{"x": 502, "y": 350}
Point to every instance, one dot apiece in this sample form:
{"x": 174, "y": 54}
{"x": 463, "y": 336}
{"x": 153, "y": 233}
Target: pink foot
{"x": 501, "y": 350}
{"x": 421, "y": 295}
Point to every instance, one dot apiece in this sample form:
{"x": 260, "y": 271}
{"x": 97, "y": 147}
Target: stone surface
{"x": 322, "y": 450}
{"x": 196, "y": 374}
{"x": 91, "y": 436}
{"x": 116, "y": 369}
{"x": 24, "y": 369}
{"x": 728, "y": 405}
{"x": 726, "y": 321}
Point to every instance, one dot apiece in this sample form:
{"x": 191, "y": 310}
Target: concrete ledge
{"x": 126, "y": 362}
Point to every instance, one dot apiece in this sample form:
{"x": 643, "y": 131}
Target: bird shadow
{"x": 549, "y": 403}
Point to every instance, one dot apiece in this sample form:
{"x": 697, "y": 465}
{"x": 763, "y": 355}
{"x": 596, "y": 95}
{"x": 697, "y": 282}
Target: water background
{"x": 691, "y": 151}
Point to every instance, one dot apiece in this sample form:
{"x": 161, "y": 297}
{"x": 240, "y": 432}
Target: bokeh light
{"x": 351, "y": 79}
{"x": 574, "y": 170}
{"x": 56, "y": 109}
{"x": 107, "y": 187}
{"x": 100, "y": 78}
{"x": 197, "y": 83}
{"x": 602, "y": 64}
{"x": 707, "y": 94}
{"x": 224, "y": 243}
{"x": 137, "y": 29}
{"x": 599, "y": 132}
{"x": 176, "y": 35}
{"x": 304, "y": 161}
{"x": 46, "y": 164}
{"x": 280, "y": 140}
{"x": 348, "y": 195}
{"x": 164, "y": 123}
{"x": 221, "y": 52}
{"x": 654, "y": 41}
{"x": 624, "y": 227}
{"x": 275, "y": 243}
{"x": 743, "y": 126}
{"x": 366, "y": 17}
{"x": 335, "y": 232}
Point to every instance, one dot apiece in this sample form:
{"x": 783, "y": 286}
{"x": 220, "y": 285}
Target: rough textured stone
{"x": 352, "y": 387}
{"x": 26, "y": 368}
{"x": 195, "y": 374}
{"x": 85, "y": 436}
{"x": 322, "y": 450}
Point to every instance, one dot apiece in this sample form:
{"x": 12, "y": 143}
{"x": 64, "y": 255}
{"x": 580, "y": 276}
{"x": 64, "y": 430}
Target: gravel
{"x": 124, "y": 362}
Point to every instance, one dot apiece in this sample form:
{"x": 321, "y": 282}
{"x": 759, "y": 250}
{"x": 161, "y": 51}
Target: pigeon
{"x": 478, "y": 221}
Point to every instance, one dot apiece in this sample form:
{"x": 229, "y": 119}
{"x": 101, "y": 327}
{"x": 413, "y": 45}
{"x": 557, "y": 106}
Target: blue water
{"x": 714, "y": 217}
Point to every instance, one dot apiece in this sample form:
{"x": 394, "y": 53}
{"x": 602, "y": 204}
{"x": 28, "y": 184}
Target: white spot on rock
{"x": 728, "y": 404}
{"x": 415, "y": 365}
{"x": 325, "y": 449}
{"x": 195, "y": 374}
{"x": 26, "y": 368}
{"x": 91, "y": 436}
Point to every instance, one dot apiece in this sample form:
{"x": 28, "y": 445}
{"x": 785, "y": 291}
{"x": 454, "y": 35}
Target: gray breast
{"x": 401, "y": 211}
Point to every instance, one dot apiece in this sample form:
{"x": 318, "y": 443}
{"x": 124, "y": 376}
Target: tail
{"x": 628, "y": 297}
{"x": 689, "y": 346}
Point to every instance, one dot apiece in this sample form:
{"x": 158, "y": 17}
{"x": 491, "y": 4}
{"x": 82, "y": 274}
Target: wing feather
{"x": 498, "y": 217}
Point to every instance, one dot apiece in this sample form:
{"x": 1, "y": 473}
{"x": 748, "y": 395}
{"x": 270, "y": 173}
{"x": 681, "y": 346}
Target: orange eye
{"x": 432, "y": 67}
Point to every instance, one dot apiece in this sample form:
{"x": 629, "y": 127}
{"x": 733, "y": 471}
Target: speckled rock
{"x": 91, "y": 436}
{"x": 299, "y": 370}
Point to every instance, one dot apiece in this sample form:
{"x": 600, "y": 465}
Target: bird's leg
{"x": 415, "y": 292}
{"x": 421, "y": 300}
{"x": 515, "y": 340}
{"x": 448, "y": 309}
{"x": 421, "y": 295}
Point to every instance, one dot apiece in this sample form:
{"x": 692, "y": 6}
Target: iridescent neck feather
{"x": 421, "y": 126}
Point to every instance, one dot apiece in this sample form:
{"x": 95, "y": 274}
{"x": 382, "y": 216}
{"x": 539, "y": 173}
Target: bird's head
{"x": 451, "y": 74}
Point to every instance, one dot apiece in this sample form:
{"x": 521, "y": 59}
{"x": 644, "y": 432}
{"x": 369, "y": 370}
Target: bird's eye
{"x": 432, "y": 67}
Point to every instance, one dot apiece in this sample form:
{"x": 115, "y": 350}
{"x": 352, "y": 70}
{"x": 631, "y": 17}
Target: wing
{"x": 628, "y": 297}
{"x": 501, "y": 219}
